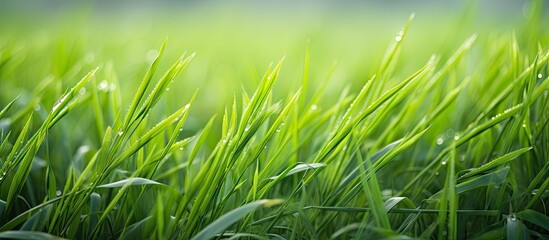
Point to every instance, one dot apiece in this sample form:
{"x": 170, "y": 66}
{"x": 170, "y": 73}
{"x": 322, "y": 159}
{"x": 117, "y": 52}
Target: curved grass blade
{"x": 222, "y": 223}
{"x": 493, "y": 178}
{"x": 28, "y": 235}
{"x": 299, "y": 168}
{"x": 136, "y": 181}
{"x": 534, "y": 217}
{"x": 496, "y": 162}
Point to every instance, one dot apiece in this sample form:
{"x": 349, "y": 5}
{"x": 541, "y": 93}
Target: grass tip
{"x": 272, "y": 202}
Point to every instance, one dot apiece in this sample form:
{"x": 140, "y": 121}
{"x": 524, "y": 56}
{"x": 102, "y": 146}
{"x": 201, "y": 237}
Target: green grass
{"x": 445, "y": 142}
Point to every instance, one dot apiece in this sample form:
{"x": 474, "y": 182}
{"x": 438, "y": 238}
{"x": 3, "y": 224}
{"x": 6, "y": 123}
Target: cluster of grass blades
{"x": 452, "y": 151}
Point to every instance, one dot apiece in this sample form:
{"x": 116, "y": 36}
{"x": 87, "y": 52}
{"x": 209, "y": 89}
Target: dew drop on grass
{"x": 444, "y": 233}
{"x": 181, "y": 148}
{"x": 314, "y": 107}
{"x": 82, "y": 91}
{"x": 58, "y": 192}
{"x": 524, "y": 125}
{"x": 398, "y": 38}
{"x": 37, "y": 107}
{"x": 443, "y": 162}
{"x": 59, "y": 102}
{"x": 120, "y": 133}
{"x": 282, "y": 124}
{"x": 456, "y": 137}
{"x": 167, "y": 89}
{"x": 151, "y": 56}
{"x": 540, "y": 75}
{"x": 440, "y": 141}
{"x": 436, "y": 173}
{"x": 278, "y": 130}
{"x": 513, "y": 217}
{"x": 247, "y": 128}
{"x": 188, "y": 106}
{"x": 103, "y": 86}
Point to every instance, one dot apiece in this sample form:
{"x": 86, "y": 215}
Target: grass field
{"x": 256, "y": 121}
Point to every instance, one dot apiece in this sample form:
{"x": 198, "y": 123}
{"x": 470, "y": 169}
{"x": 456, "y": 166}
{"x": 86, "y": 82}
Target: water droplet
{"x": 181, "y": 129}
{"x": 181, "y": 148}
{"x": 443, "y": 162}
{"x": 58, "y": 192}
{"x": 82, "y": 91}
{"x": 440, "y": 141}
{"x": 58, "y": 103}
{"x": 540, "y": 75}
{"x": 188, "y": 106}
{"x": 167, "y": 89}
{"x": 436, "y": 173}
{"x": 37, "y": 107}
{"x": 120, "y": 133}
{"x": 282, "y": 124}
{"x": 444, "y": 233}
{"x": 456, "y": 137}
{"x": 398, "y": 38}
{"x": 247, "y": 128}
{"x": 112, "y": 87}
{"x": 103, "y": 85}
{"x": 524, "y": 125}
{"x": 224, "y": 141}
{"x": 278, "y": 130}
{"x": 513, "y": 217}
{"x": 151, "y": 56}
{"x": 314, "y": 107}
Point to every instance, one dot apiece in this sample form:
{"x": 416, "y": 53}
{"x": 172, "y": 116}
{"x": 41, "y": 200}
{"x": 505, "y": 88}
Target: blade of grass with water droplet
{"x": 493, "y": 178}
{"x": 138, "y": 97}
{"x": 495, "y": 163}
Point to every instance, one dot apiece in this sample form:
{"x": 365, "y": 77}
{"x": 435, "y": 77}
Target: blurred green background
{"x": 236, "y": 42}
